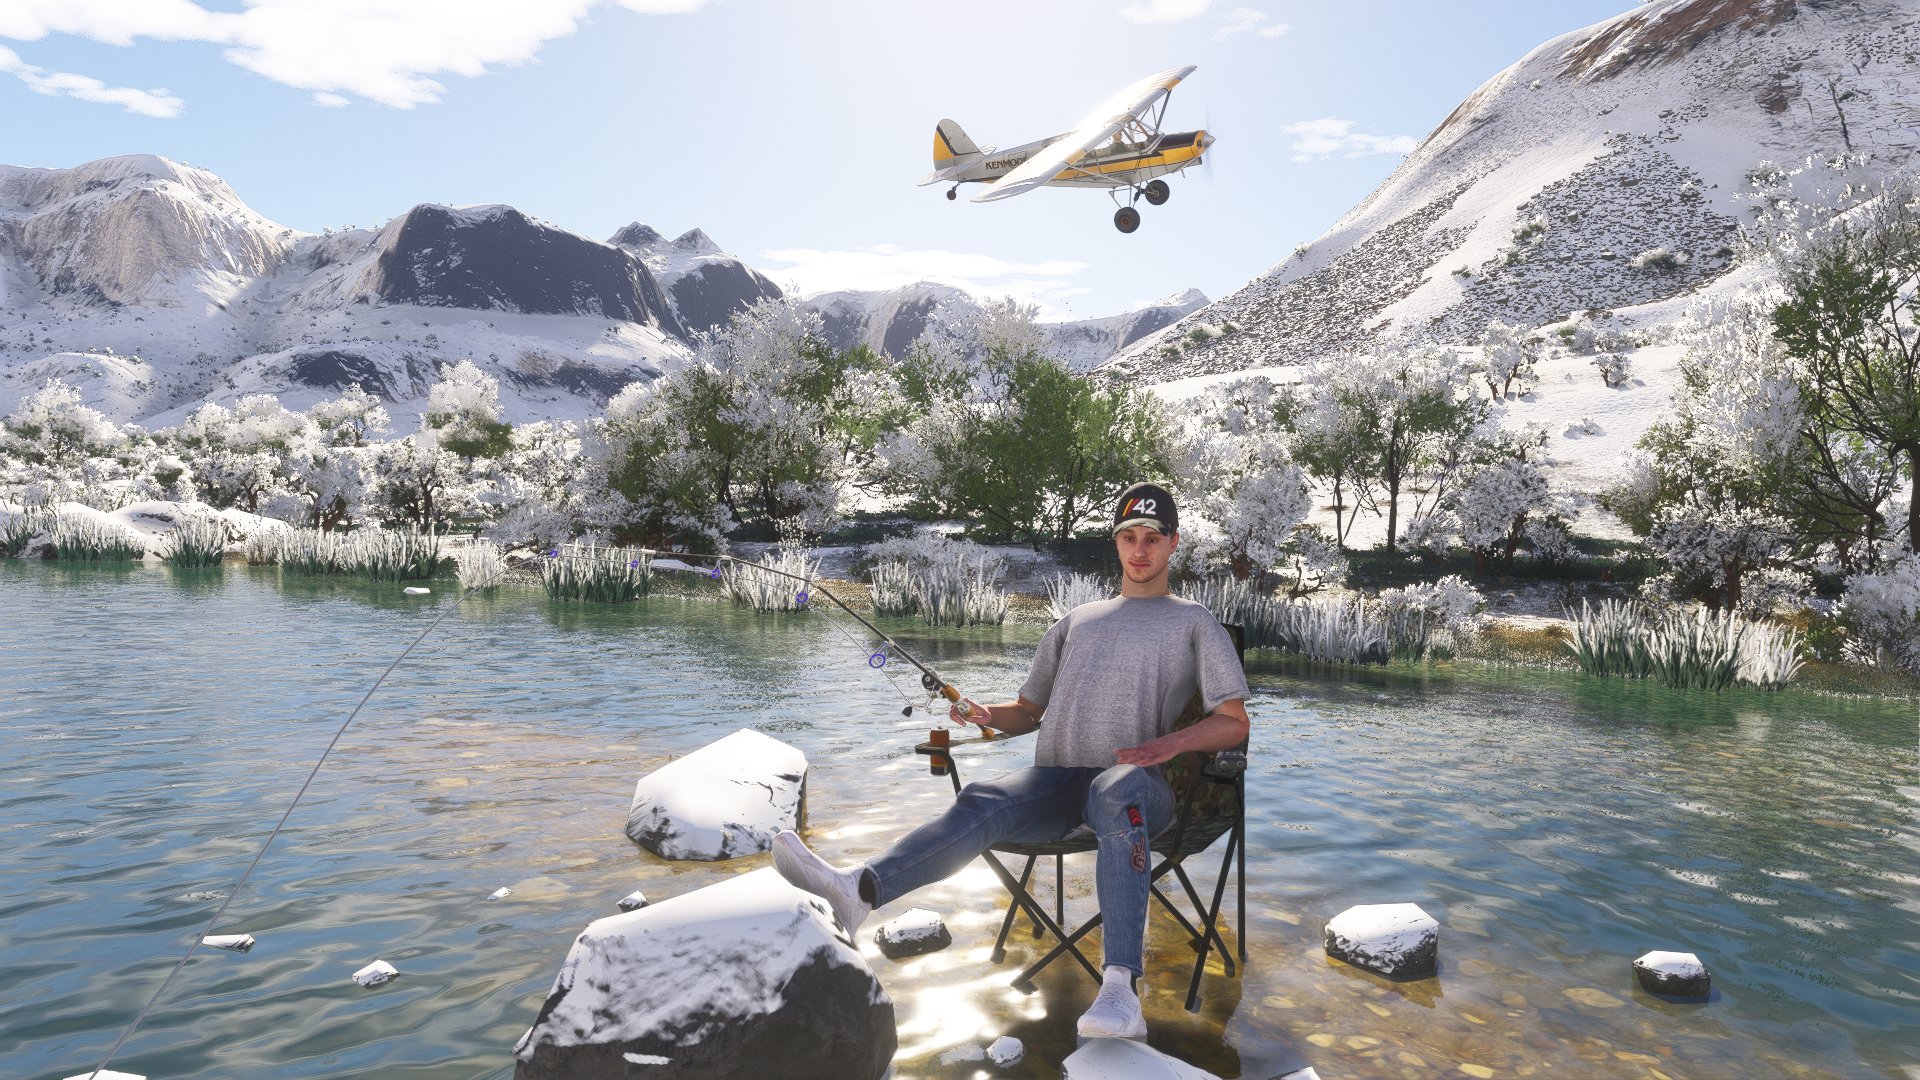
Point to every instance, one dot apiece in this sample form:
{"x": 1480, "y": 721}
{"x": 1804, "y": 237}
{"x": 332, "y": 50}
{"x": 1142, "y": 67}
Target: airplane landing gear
{"x": 1157, "y": 192}
{"x": 1126, "y": 219}
{"x": 953, "y": 192}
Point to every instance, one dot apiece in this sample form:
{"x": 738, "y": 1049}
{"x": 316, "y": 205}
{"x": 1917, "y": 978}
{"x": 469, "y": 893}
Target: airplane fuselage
{"x": 1118, "y": 164}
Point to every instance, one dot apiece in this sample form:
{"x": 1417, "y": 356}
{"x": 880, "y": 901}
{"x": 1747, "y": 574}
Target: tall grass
{"x": 755, "y": 585}
{"x": 891, "y": 584}
{"x": 1327, "y": 629}
{"x": 1700, "y": 650}
{"x": 82, "y": 539}
{"x": 1068, "y": 591}
{"x": 19, "y": 527}
{"x": 1332, "y": 630}
{"x": 481, "y": 565}
{"x": 264, "y": 543}
{"x": 197, "y": 540}
{"x": 604, "y": 575}
{"x": 311, "y": 551}
{"x": 387, "y": 555}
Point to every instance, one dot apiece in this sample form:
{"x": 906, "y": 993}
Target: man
{"x": 1110, "y": 678}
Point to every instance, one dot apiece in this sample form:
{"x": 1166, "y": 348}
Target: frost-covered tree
{"x": 1882, "y": 611}
{"x": 421, "y": 484}
{"x": 463, "y": 413}
{"x": 1400, "y": 414}
{"x": 646, "y": 473}
{"x": 1494, "y": 504}
{"x": 238, "y": 456}
{"x": 1507, "y": 356}
{"x": 1021, "y": 445}
{"x": 537, "y": 494}
{"x": 54, "y": 427}
{"x": 1246, "y": 495}
{"x": 355, "y": 418}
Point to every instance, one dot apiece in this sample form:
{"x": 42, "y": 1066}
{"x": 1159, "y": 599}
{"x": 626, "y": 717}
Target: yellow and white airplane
{"x": 1118, "y": 145}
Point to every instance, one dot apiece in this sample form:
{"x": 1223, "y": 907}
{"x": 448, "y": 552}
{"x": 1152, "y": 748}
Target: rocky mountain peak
{"x": 636, "y": 236}
{"x": 696, "y": 242}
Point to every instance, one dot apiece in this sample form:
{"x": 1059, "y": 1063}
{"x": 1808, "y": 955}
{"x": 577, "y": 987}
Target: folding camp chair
{"x": 1212, "y": 800}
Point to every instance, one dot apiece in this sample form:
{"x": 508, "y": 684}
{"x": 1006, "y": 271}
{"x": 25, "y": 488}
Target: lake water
{"x": 156, "y": 723}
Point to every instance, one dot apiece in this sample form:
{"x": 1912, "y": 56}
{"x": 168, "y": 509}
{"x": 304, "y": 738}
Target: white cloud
{"x": 1329, "y": 136}
{"x": 157, "y": 102}
{"x": 1248, "y": 21}
{"x": 331, "y": 101}
{"x": 889, "y": 266}
{"x": 386, "y": 52}
{"x": 1164, "y": 11}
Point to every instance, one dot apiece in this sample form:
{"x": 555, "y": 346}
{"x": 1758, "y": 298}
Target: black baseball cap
{"x": 1146, "y": 504}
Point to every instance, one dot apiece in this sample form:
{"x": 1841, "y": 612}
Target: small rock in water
{"x": 1397, "y": 940}
{"x": 375, "y": 973}
{"x": 1678, "y": 973}
{"x": 1301, "y": 1074}
{"x": 500, "y": 893}
{"x": 914, "y": 932}
{"x": 1006, "y": 1052}
{"x": 236, "y": 942}
{"x": 633, "y": 901}
{"x": 415, "y": 590}
{"x": 723, "y": 801}
{"x": 107, "y": 1074}
{"x": 1124, "y": 1059}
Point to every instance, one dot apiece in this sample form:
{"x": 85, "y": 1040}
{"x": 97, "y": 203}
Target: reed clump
{"x": 768, "y": 584}
{"x": 197, "y": 540}
{"x": 1068, "y": 591}
{"x": 1696, "y": 650}
{"x": 601, "y": 575}
{"x": 480, "y": 565}
{"x": 19, "y": 527}
{"x": 77, "y": 538}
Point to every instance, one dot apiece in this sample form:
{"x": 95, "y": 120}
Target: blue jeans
{"x": 1039, "y": 804}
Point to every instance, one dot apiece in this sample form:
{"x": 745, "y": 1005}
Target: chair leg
{"x": 1013, "y": 909}
{"x": 1059, "y": 891}
{"x": 1209, "y": 939}
{"x": 1240, "y": 871}
{"x": 1024, "y": 982}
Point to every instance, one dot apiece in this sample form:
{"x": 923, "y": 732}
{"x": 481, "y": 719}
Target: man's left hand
{"x": 1148, "y": 754}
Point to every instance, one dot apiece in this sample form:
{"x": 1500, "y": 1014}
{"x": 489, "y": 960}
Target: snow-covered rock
{"x": 1678, "y": 973}
{"x": 748, "y": 977}
{"x": 1301, "y": 1074}
{"x": 722, "y": 801}
{"x": 500, "y": 893}
{"x": 236, "y": 942}
{"x": 417, "y": 590}
{"x": 1006, "y": 1052}
{"x": 1397, "y": 940}
{"x": 375, "y": 973}
{"x": 106, "y": 1074}
{"x": 913, "y": 932}
{"x": 1123, "y": 1059}
{"x": 633, "y": 901}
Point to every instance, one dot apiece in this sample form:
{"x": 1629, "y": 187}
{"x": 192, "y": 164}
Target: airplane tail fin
{"x": 949, "y": 142}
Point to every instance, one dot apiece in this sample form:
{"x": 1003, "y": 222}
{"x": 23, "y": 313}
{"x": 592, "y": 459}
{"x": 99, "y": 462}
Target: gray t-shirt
{"x": 1116, "y": 673}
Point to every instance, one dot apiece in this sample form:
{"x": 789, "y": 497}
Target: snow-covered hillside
{"x": 891, "y": 320}
{"x": 1606, "y": 170}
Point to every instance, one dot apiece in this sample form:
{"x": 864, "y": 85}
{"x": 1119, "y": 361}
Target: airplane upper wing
{"x": 1112, "y": 115}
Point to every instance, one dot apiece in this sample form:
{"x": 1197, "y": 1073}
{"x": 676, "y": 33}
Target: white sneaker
{"x": 1115, "y": 1014}
{"x": 805, "y": 870}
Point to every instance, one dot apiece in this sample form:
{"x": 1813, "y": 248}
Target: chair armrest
{"x": 928, "y": 749}
{"x": 1226, "y": 764}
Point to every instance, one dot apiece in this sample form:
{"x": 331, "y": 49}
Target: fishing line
{"x": 935, "y": 686}
{"x": 235, "y": 891}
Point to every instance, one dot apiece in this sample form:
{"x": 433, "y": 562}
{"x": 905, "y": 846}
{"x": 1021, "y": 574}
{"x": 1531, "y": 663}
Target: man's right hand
{"x": 979, "y": 714}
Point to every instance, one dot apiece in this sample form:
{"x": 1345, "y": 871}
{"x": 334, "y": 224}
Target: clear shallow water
{"x": 1557, "y": 827}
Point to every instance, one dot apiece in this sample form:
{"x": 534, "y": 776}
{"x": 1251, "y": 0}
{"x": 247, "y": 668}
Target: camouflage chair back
{"x": 1210, "y": 802}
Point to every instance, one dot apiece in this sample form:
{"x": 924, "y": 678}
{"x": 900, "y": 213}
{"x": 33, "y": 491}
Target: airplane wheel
{"x": 1158, "y": 192}
{"x": 1126, "y": 219}
{"x": 952, "y": 194}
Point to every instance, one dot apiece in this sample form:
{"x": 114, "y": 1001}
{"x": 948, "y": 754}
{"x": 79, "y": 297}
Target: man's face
{"x": 1144, "y": 552}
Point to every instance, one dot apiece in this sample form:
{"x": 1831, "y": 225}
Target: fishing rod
{"x": 930, "y": 679}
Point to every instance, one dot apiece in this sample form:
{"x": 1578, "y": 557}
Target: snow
{"x": 1384, "y": 937}
{"x": 1681, "y": 964}
{"x": 1121, "y": 1059}
{"x": 236, "y": 942}
{"x": 1006, "y": 1052}
{"x": 375, "y": 973}
{"x": 722, "y": 801}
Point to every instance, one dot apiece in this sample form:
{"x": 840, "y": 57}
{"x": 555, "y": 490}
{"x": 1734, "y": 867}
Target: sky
{"x": 793, "y": 133}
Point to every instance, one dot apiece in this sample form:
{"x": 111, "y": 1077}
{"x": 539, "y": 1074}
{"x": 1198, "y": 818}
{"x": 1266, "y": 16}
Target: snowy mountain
{"x": 1609, "y": 169}
{"x": 704, "y": 285}
{"x": 889, "y": 321}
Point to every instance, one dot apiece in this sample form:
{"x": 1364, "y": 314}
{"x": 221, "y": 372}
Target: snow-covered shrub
{"x": 197, "y": 540}
{"x": 1882, "y": 611}
{"x": 1718, "y": 545}
{"x": 1494, "y": 504}
{"x": 1450, "y": 602}
{"x": 1551, "y": 540}
{"x": 604, "y": 575}
{"x": 1615, "y": 368}
{"x": 464, "y": 414}
{"x": 1431, "y": 533}
{"x": 1232, "y": 451}
{"x": 1530, "y": 230}
{"x": 1659, "y": 259}
{"x": 1773, "y": 590}
{"x": 1068, "y": 591}
{"x": 1314, "y": 562}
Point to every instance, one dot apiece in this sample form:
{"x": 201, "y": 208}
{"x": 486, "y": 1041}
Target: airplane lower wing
{"x": 1112, "y": 115}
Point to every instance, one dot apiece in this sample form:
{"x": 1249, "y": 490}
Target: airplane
{"x": 1116, "y": 146}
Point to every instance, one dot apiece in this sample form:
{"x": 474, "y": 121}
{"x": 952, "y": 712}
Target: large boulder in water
{"x": 750, "y": 977}
{"x": 722, "y": 801}
{"x": 1121, "y": 1059}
